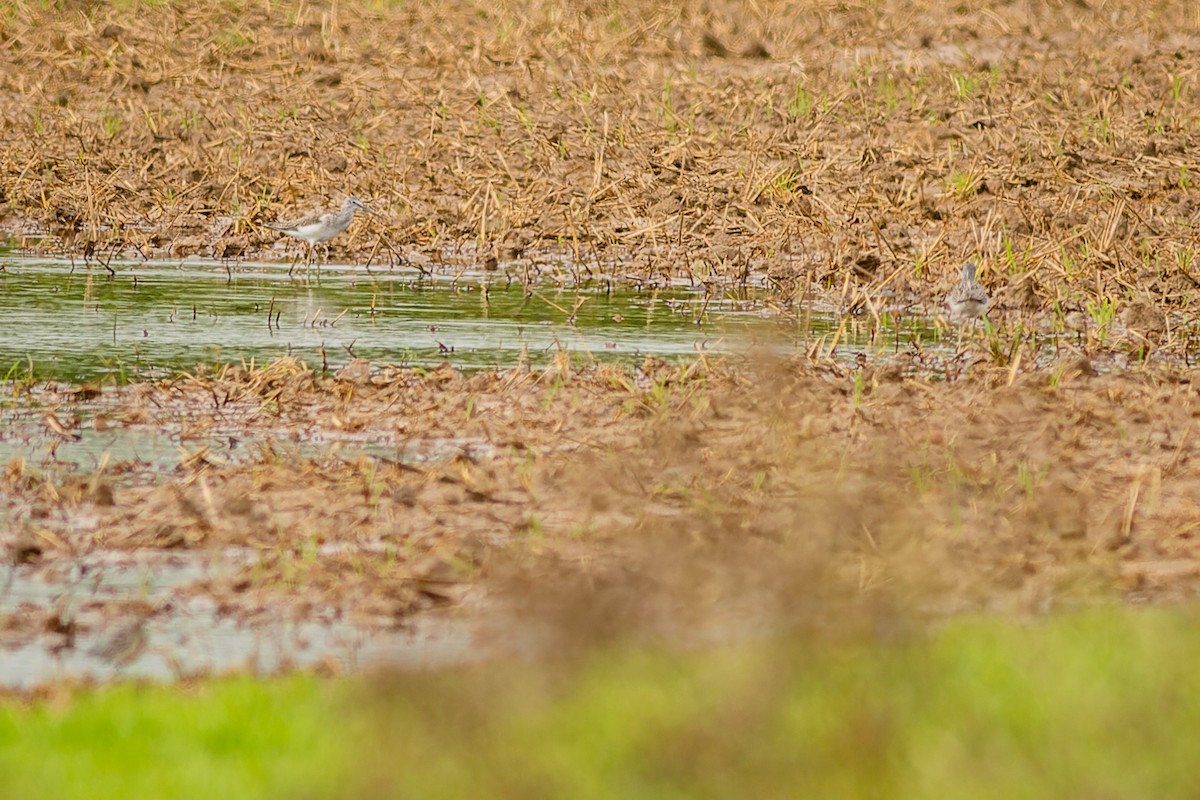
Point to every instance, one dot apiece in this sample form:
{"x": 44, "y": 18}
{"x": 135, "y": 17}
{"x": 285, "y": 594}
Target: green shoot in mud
{"x": 801, "y": 103}
{"x": 1003, "y": 345}
{"x": 963, "y": 184}
{"x": 1185, "y": 258}
{"x": 233, "y": 40}
{"x": 1099, "y": 130}
{"x": 784, "y": 183}
{"x": 1177, "y": 84}
{"x": 889, "y": 93}
{"x": 110, "y": 121}
{"x": 1028, "y": 478}
{"x": 1103, "y": 313}
{"x": 20, "y": 375}
{"x": 1011, "y": 258}
{"x": 859, "y": 392}
{"x": 965, "y": 85}
{"x": 667, "y": 106}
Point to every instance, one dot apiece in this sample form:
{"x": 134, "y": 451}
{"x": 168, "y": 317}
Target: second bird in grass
{"x": 968, "y": 300}
{"x": 125, "y": 646}
{"x": 322, "y": 226}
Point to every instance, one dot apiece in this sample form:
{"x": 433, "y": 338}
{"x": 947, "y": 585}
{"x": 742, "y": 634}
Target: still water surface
{"x": 150, "y": 319}
{"x": 72, "y": 324}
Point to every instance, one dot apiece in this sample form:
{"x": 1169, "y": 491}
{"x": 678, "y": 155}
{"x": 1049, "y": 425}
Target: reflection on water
{"x": 131, "y": 452}
{"x": 193, "y": 636}
{"x": 151, "y": 318}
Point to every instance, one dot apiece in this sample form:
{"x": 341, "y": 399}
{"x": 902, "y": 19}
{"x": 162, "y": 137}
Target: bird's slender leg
{"x": 327, "y": 259}
{"x": 294, "y": 263}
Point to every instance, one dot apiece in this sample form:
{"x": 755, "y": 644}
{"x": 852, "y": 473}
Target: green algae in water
{"x": 151, "y": 319}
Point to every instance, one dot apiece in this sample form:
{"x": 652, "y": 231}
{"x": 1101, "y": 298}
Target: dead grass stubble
{"x": 798, "y": 501}
{"x": 671, "y": 501}
{"x": 866, "y": 148}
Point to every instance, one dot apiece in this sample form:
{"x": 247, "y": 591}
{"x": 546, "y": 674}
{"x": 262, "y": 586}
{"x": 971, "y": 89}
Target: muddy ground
{"x": 865, "y": 149}
{"x": 665, "y": 493}
{"x": 852, "y": 154}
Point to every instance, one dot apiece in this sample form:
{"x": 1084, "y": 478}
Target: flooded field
{"x": 60, "y": 321}
{"x": 110, "y": 381}
{"x": 220, "y": 466}
{"x": 819, "y": 375}
{"x": 376, "y": 498}
{"x": 651, "y": 301}
{"x": 173, "y": 631}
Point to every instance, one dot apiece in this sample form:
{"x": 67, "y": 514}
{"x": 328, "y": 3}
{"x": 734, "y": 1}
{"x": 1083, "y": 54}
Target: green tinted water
{"x": 157, "y": 318}
{"x": 152, "y": 319}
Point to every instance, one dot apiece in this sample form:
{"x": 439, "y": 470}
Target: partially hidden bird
{"x": 968, "y": 300}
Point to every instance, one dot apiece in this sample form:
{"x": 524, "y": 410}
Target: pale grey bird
{"x": 968, "y": 300}
{"x": 125, "y": 645}
{"x": 321, "y": 226}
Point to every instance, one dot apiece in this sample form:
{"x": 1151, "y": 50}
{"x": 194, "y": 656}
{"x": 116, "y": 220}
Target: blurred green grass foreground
{"x": 1098, "y": 703}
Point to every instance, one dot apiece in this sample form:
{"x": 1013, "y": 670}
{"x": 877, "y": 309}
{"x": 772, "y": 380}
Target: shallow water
{"x": 71, "y": 323}
{"x": 132, "y": 453}
{"x": 193, "y": 636}
{"x": 152, "y": 319}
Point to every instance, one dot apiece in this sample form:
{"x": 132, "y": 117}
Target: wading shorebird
{"x": 968, "y": 300}
{"x": 125, "y": 646}
{"x": 320, "y": 227}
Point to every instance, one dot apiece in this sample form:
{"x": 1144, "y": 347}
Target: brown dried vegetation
{"x": 860, "y": 150}
{"x": 676, "y": 493}
{"x": 872, "y": 144}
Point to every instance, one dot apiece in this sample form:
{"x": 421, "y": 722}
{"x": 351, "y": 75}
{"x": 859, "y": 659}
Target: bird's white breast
{"x": 313, "y": 232}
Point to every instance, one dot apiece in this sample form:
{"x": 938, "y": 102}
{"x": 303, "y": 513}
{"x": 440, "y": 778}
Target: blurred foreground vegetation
{"x": 1101, "y": 703}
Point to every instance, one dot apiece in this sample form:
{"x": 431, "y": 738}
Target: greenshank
{"x": 321, "y": 226}
{"x": 968, "y": 300}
